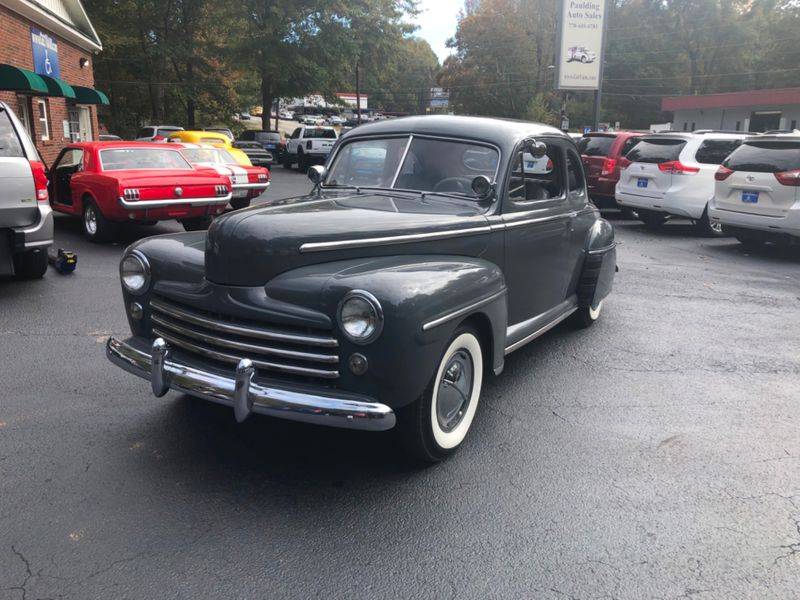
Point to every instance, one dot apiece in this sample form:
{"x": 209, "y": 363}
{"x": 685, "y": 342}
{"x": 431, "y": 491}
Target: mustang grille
{"x": 273, "y": 348}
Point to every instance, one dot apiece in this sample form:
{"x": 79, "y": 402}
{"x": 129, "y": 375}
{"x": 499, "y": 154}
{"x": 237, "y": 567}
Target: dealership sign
{"x": 45, "y": 54}
{"x": 581, "y": 44}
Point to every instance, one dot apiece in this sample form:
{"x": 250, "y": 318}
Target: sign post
{"x": 581, "y": 48}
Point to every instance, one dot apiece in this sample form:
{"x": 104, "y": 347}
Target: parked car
{"x": 672, "y": 174}
{"x": 581, "y": 54}
{"x": 308, "y": 146}
{"x": 256, "y": 153}
{"x": 107, "y": 137}
{"x": 223, "y": 130}
{"x": 757, "y": 196}
{"x": 426, "y": 255}
{"x": 26, "y": 219}
{"x": 270, "y": 139}
{"x": 244, "y": 116}
{"x": 156, "y": 133}
{"x": 312, "y": 120}
{"x": 111, "y": 183}
{"x": 246, "y": 182}
{"x": 335, "y": 120}
{"x": 286, "y": 115}
{"x": 603, "y": 156}
{"x": 213, "y": 139}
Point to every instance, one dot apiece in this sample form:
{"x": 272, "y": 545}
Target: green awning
{"x": 21, "y": 80}
{"x": 58, "y": 87}
{"x": 86, "y": 95}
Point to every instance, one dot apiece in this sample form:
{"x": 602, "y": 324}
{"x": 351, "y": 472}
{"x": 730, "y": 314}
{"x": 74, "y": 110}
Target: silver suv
{"x": 26, "y": 219}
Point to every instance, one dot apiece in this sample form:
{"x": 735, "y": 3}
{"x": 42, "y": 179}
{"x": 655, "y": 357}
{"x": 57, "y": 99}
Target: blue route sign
{"x": 45, "y": 54}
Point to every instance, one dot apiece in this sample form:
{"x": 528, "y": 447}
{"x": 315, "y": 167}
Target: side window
{"x": 10, "y": 146}
{"x": 536, "y": 179}
{"x": 575, "y": 178}
{"x": 72, "y": 159}
{"x": 296, "y": 133}
{"x": 714, "y": 152}
{"x": 628, "y": 146}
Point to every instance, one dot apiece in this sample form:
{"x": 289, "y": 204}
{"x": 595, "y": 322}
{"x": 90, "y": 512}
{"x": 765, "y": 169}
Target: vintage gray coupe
{"x": 430, "y": 249}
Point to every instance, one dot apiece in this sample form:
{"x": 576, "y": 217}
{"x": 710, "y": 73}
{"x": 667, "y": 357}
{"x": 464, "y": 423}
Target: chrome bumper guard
{"x": 146, "y": 204}
{"x": 242, "y": 393}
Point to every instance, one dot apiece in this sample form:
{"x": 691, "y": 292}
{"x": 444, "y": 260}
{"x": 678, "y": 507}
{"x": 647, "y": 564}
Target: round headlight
{"x": 361, "y": 317}
{"x": 135, "y": 273}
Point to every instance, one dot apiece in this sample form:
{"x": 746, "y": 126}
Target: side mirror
{"x": 537, "y": 149}
{"x": 317, "y": 173}
{"x": 482, "y": 187}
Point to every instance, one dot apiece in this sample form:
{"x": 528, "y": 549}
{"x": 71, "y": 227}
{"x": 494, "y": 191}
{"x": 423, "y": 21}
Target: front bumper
{"x": 39, "y": 235}
{"x": 241, "y": 392}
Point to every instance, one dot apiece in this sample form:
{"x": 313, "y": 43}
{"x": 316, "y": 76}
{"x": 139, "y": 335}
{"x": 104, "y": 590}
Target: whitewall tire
{"x": 436, "y": 425}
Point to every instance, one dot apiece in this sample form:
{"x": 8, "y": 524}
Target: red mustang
{"x": 110, "y": 183}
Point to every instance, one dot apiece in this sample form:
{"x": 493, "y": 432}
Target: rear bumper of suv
{"x": 38, "y": 235}
{"x": 790, "y": 224}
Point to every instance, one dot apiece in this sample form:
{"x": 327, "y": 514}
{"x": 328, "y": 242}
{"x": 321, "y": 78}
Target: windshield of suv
{"x": 429, "y": 165}
{"x": 656, "y": 151}
{"x": 596, "y": 145}
{"x": 765, "y": 157}
{"x": 123, "y": 159}
{"x": 319, "y": 133}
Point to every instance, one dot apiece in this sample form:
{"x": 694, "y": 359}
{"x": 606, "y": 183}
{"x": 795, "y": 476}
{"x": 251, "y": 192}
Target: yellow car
{"x": 218, "y": 140}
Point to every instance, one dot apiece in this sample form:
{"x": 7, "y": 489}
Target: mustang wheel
{"x": 435, "y": 425}
{"x": 96, "y": 227}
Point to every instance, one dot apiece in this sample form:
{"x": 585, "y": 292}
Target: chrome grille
{"x": 272, "y": 348}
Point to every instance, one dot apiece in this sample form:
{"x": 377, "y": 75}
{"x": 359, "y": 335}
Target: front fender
{"x": 424, "y": 299}
{"x": 600, "y": 264}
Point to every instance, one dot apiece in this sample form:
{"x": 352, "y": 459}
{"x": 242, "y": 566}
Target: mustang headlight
{"x": 134, "y": 270}
{"x": 361, "y": 317}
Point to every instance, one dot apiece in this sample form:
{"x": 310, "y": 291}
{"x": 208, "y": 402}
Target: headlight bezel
{"x": 377, "y": 309}
{"x": 145, "y": 265}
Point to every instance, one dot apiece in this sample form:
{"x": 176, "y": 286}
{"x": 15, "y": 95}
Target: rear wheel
{"x": 196, "y": 224}
{"x": 287, "y": 161}
{"x": 302, "y": 162}
{"x": 587, "y": 316}
{"x": 708, "y": 227}
{"x": 652, "y": 220}
{"x": 31, "y": 264}
{"x": 96, "y": 227}
{"x": 434, "y": 426}
{"x": 238, "y": 203}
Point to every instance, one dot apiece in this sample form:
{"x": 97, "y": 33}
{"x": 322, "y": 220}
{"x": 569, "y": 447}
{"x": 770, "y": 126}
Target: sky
{"x": 437, "y": 22}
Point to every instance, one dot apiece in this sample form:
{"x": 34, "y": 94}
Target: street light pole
{"x": 358, "y": 95}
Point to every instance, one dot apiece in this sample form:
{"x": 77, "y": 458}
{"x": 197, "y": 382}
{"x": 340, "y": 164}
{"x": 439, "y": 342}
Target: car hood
{"x": 251, "y": 246}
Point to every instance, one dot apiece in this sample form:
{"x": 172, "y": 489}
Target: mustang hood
{"x": 251, "y": 246}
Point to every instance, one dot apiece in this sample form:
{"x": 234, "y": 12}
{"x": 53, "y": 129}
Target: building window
{"x": 685, "y": 126}
{"x": 794, "y": 124}
{"x": 694, "y": 126}
{"x": 738, "y": 125}
{"x": 44, "y": 124}
{"x": 74, "y": 125}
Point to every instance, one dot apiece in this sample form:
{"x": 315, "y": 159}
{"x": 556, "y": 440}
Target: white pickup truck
{"x": 308, "y": 146}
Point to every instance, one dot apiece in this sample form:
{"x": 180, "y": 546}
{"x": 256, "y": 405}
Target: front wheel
{"x": 434, "y": 426}
{"x": 587, "y": 316}
{"x": 708, "y": 227}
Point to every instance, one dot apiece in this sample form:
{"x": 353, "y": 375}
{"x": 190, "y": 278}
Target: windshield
{"x": 123, "y": 159}
{"x": 430, "y": 165}
{"x": 596, "y": 145}
{"x": 656, "y": 151}
{"x": 319, "y": 133}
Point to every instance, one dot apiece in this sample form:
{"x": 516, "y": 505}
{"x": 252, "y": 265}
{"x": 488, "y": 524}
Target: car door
{"x": 68, "y": 163}
{"x": 537, "y": 221}
{"x": 294, "y": 141}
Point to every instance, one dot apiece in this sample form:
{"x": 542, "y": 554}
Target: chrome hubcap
{"x": 716, "y": 226}
{"x": 90, "y": 220}
{"x": 454, "y": 392}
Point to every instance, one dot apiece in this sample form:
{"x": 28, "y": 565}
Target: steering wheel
{"x": 456, "y": 184}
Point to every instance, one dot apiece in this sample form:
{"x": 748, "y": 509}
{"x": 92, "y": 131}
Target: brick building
{"x": 46, "y": 71}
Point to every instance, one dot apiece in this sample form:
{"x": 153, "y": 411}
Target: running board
{"x": 522, "y": 333}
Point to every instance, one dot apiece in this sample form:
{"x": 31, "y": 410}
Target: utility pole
{"x": 358, "y": 94}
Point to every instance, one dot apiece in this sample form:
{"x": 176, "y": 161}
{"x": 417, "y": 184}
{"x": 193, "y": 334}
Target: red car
{"x": 110, "y": 183}
{"x": 603, "y": 157}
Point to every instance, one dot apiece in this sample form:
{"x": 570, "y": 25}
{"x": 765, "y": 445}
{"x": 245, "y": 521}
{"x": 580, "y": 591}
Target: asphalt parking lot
{"x": 655, "y": 455}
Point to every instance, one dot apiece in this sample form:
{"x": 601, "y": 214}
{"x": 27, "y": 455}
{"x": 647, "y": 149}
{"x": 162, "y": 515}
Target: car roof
{"x": 119, "y": 144}
{"x": 775, "y": 137}
{"x": 691, "y": 135}
{"x": 504, "y": 133}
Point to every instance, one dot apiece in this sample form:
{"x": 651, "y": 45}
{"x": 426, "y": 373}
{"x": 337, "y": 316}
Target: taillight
{"x": 131, "y": 194}
{"x": 221, "y": 190}
{"x": 624, "y": 163}
{"x": 39, "y": 180}
{"x": 791, "y": 178}
{"x": 723, "y": 173}
{"x": 675, "y": 167}
{"x": 609, "y": 165}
